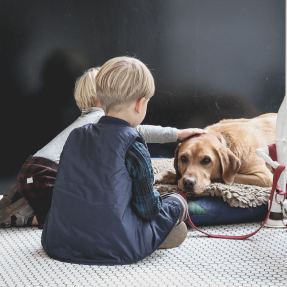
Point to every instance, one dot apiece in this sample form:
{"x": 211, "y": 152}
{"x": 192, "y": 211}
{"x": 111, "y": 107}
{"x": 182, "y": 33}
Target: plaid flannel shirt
{"x": 146, "y": 201}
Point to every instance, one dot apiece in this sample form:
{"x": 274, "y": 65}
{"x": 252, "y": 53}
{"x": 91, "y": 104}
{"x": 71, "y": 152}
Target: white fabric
{"x": 264, "y": 153}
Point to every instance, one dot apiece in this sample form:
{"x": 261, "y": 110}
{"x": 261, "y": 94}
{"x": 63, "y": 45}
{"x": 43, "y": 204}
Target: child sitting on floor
{"x": 104, "y": 209}
{"x": 28, "y": 202}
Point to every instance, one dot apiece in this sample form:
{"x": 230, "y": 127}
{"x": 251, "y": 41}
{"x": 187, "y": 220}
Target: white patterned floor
{"x": 199, "y": 261}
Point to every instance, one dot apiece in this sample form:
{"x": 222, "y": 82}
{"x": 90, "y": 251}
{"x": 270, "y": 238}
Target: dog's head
{"x": 202, "y": 159}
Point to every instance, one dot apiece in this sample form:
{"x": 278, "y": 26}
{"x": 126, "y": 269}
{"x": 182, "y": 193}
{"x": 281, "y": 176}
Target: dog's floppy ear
{"x": 175, "y": 163}
{"x": 230, "y": 164}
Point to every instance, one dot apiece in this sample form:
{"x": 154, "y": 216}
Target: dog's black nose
{"x": 189, "y": 182}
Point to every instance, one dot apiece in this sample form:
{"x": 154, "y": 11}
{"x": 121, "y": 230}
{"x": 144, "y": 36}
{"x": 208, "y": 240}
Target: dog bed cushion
{"x": 213, "y": 211}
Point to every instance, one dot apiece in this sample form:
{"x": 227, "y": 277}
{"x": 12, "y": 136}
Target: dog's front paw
{"x": 165, "y": 177}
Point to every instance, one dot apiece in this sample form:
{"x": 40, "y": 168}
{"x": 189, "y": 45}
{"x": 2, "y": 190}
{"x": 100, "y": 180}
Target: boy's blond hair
{"x": 121, "y": 81}
{"x": 85, "y": 89}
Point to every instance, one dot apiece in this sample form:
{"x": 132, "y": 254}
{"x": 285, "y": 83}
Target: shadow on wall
{"x": 55, "y": 97}
{"x": 43, "y": 114}
{"x": 181, "y": 109}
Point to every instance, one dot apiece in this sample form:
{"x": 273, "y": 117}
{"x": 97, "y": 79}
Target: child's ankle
{"x": 35, "y": 221}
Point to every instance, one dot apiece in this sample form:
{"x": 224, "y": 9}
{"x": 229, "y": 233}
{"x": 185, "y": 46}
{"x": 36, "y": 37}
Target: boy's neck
{"x": 133, "y": 114}
{"x": 124, "y": 115}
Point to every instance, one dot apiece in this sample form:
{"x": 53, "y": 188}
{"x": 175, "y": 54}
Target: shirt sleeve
{"x": 146, "y": 201}
{"x": 157, "y": 134}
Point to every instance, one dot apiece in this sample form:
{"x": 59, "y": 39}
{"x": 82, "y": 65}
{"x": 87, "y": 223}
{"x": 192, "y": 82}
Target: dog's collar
{"x": 224, "y": 141}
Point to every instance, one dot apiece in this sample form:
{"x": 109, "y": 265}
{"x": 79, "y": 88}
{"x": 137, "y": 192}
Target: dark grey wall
{"x": 211, "y": 59}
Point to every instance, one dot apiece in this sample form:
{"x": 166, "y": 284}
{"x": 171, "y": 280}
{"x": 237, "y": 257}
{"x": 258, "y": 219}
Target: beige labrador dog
{"x": 225, "y": 154}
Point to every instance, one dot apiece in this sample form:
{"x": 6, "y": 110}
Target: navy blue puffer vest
{"x": 91, "y": 220}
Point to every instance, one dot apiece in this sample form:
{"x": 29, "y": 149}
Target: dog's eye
{"x": 206, "y": 160}
{"x": 183, "y": 159}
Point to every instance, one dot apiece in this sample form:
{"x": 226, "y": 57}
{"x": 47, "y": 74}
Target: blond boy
{"x": 105, "y": 210}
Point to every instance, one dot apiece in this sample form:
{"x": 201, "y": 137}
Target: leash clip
{"x": 278, "y": 193}
{"x": 284, "y": 208}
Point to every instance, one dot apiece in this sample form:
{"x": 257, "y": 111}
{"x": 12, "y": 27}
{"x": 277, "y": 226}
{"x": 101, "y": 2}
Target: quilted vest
{"x": 91, "y": 220}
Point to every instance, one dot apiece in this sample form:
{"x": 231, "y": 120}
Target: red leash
{"x": 276, "y": 176}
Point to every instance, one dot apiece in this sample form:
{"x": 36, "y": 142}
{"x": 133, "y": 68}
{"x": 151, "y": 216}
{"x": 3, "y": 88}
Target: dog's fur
{"x": 225, "y": 153}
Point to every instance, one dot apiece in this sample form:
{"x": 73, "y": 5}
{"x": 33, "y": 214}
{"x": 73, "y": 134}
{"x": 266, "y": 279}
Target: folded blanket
{"x": 236, "y": 195}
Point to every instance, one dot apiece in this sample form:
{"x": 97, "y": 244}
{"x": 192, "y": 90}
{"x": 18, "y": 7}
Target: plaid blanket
{"x": 35, "y": 182}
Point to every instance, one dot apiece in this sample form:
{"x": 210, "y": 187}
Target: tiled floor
{"x": 199, "y": 261}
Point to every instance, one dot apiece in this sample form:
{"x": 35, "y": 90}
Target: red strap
{"x": 273, "y": 155}
{"x": 276, "y": 176}
{"x": 281, "y": 192}
{"x": 272, "y": 151}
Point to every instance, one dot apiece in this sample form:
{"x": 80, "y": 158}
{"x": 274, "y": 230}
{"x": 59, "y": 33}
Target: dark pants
{"x": 178, "y": 200}
{"x": 35, "y": 182}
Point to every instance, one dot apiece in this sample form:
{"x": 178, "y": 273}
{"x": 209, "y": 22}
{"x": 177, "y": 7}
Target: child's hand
{"x": 183, "y": 134}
